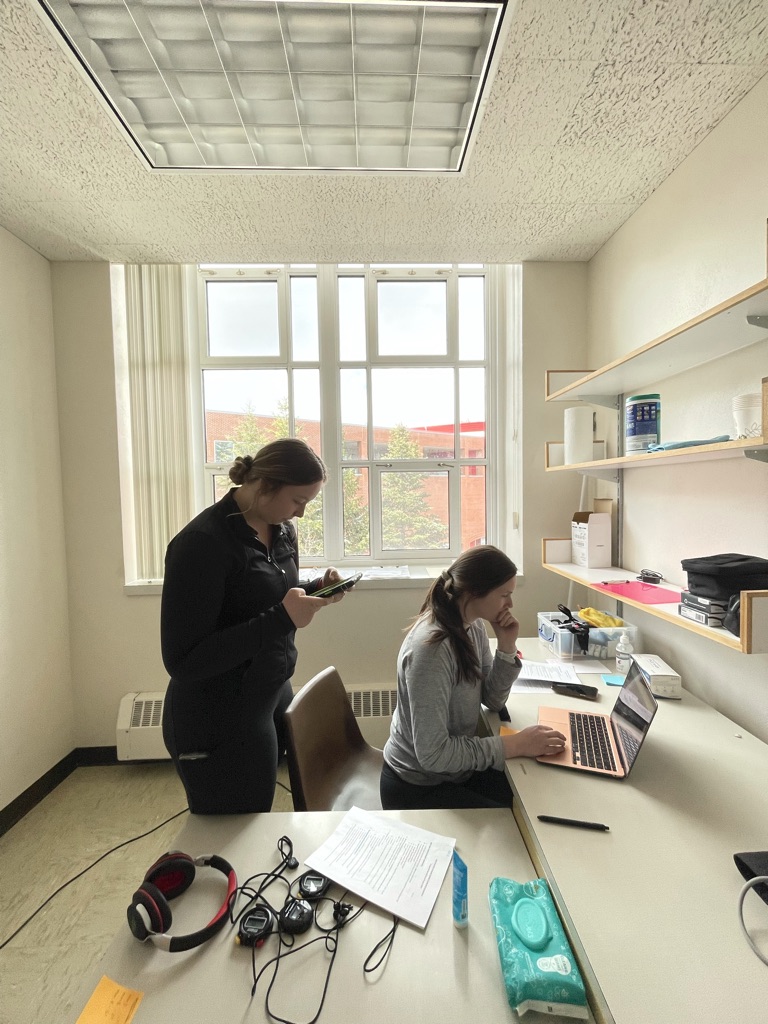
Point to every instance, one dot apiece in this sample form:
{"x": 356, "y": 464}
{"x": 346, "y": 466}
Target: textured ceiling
{"x": 594, "y": 104}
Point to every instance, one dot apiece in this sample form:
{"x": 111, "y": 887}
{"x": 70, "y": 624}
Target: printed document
{"x": 398, "y": 867}
{"x": 548, "y": 672}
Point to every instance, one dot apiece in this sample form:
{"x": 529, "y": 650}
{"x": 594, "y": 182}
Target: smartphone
{"x": 575, "y": 690}
{"x": 335, "y": 588}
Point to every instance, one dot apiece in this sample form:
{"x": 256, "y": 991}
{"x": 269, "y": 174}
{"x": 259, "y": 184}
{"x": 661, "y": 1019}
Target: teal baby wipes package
{"x": 537, "y": 963}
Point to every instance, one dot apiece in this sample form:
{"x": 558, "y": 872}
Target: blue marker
{"x": 460, "y": 905}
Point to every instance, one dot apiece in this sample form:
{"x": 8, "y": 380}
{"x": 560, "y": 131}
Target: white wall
{"x": 36, "y": 714}
{"x": 698, "y": 240}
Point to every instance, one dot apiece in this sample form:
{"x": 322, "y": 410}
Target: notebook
{"x": 606, "y": 744}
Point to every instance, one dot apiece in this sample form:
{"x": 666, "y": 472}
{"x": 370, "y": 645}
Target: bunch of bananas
{"x": 594, "y": 617}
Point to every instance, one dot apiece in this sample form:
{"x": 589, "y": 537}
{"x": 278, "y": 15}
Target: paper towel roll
{"x": 578, "y": 435}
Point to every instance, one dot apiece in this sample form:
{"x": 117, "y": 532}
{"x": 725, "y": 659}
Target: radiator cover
{"x": 139, "y": 731}
{"x": 139, "y": 727}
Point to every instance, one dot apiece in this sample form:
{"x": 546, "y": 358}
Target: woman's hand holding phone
{"x": 334, "y": 586}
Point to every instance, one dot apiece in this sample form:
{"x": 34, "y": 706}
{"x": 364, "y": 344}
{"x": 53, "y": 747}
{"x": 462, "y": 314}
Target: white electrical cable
{"x": 745, "y": 889}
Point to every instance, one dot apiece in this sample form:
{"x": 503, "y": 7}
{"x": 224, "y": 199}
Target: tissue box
{"x": 591, "y": 539}
{"x": 563, "y": 644}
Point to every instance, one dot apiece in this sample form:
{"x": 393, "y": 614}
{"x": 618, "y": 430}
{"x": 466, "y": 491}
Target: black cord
{"x": 81, "y": 873}
{"x": 284, "y": 787}
{"x": 285, "y": 848}
{"x": 331, "y": 940}
{"x": 387, "y": 942}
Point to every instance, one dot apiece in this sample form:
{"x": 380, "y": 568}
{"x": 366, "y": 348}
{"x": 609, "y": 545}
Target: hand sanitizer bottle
{"x": 624, "y": 651}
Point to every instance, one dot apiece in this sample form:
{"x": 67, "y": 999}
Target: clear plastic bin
{"x": 565, "y": 645}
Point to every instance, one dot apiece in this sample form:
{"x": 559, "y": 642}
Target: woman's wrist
{"x": 508, "y": 655}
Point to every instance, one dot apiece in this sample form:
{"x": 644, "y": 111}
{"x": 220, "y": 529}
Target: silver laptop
{"x": 606, "y": 744}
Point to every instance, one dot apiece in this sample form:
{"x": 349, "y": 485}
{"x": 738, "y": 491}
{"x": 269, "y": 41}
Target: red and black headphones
{"x": 149, "y": 916}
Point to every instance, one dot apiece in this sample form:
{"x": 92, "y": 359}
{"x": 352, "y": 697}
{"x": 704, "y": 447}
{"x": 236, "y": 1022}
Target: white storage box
{"x": 565, "y": 645}
{"x": 591, "y": 539}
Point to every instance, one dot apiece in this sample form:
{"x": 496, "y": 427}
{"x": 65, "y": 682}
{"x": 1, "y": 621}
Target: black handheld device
{"x": 335, "y": 588}
{"x": 575, "y": 690}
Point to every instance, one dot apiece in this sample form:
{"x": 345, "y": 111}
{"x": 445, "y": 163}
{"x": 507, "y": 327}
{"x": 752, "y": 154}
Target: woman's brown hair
{"x": 474, "y": 574}
{"x": 289, "y": 461}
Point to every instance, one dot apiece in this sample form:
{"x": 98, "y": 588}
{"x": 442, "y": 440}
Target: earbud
{"x": 341, "y": 912}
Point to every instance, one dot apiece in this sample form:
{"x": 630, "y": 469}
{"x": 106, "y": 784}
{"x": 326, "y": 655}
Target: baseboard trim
{"x": 80, "y": 757}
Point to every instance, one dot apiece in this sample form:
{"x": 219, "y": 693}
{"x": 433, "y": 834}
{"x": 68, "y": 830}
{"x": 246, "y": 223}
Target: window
{"x": 384, "y": 371}
{"x": 394, "y": 374}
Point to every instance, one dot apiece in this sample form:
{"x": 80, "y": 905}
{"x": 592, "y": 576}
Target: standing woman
{"x": 232, "y": 603}
{"x": 445, "y": 670}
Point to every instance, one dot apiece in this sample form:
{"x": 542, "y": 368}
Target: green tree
{"x": 357, "y": 530}
{"x": 250, "y": 435}
{"x": 407, "y": 522}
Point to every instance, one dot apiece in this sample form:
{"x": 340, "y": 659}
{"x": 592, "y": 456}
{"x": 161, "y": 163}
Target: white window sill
{"x": 416, "y": 578}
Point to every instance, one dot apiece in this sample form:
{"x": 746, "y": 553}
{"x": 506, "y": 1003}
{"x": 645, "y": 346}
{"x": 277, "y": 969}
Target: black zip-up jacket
{"x": 222, "y": 621}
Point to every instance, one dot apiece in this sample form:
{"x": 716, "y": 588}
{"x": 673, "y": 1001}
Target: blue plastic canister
{"x": 643, "y": 422}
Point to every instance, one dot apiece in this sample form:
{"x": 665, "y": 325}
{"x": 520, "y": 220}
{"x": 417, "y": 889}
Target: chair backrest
{"x": 330, "y": 763}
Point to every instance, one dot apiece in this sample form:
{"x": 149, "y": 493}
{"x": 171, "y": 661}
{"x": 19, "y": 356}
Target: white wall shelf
{"x": 754, "y": 603}
{"x": 735, "y": 324}
{"x": 713, "y": 334}
{"x": 752, "y": 448}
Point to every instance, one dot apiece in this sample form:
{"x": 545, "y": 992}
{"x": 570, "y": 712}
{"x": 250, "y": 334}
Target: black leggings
{"x": 483, "y": 789}
{"x": 226, "y": 752}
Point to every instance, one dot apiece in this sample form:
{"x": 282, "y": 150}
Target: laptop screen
{"x": 632, "y": 715}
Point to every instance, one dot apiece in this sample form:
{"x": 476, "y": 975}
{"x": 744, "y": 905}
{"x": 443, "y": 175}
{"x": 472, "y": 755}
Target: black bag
{"x": 719, "y": 576}
{"x": 732, "y": 619}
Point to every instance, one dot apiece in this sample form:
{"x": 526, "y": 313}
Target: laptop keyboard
{"x": 590, "y": 742}
{"x": 631, "y": 746}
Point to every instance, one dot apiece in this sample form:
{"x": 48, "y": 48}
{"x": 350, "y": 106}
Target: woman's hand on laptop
{"x": 535, "y": 741}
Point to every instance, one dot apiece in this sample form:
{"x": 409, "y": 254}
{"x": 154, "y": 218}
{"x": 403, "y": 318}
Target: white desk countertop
{"x": 653, "y": 900}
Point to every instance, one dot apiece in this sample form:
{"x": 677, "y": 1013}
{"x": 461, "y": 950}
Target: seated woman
{"x": 445, "y": 670}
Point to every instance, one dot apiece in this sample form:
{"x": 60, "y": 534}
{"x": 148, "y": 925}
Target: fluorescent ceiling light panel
{"x": 289, "y": 85}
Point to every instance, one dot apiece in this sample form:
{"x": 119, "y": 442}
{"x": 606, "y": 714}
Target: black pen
{"x": 594, "y": 825}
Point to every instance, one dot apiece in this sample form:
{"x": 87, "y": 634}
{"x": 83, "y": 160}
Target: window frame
{"x": 329, "y": 364}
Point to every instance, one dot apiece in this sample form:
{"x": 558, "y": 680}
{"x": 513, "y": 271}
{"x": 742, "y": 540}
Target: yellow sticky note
{"x": 110, "y": 1003}
{"x": 504, "y": 730}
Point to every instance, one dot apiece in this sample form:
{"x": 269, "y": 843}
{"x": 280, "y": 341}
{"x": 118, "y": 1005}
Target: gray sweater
{"x": 432, "y": 738}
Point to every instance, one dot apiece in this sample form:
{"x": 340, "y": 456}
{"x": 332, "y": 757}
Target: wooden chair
{"x": 331, "y": 765}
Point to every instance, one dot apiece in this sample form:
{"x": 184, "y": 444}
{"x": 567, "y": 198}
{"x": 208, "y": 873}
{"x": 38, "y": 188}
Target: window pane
{"x": 310, "y": 530}
{"x": 246, "y": 407}
{"x": 221, "y": 485}
{"x": 352, "y": 346}
{"x": 471, "y": 318}
{"x": 306, "y": 407}
{"x": 357, "y": 520}
{"x": 242, "y": 318}
{"x": 473, "y": 521}
{"x": 354, "y": 414}
{"x": 304, "y": 328}
{"x": 414, "y": 512}
{"x": 412, "y": 318}
{"x": 413, "y": 412}
{"x": 472, "y": 412}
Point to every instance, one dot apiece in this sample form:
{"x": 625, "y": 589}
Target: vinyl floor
{"x": 92, "y": 811}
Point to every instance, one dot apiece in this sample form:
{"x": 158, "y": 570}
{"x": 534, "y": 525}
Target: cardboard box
{"x": 591, "y": 539}
{"x": 663, "y": 680}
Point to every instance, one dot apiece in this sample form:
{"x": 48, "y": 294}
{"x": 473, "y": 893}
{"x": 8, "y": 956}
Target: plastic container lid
{"x": 643, "y": 398}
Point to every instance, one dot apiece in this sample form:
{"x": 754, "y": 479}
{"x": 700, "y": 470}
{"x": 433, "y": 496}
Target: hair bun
{"x": 239, "y": 469}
